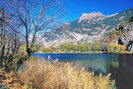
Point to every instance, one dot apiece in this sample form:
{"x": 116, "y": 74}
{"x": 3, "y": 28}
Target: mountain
{"x": 89, "y": 27}
{"x": 126, "y": 38}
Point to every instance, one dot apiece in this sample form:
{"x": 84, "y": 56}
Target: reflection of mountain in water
{"x": 120, "y": 66}
{"x": 99, "y": 65}
{"x": 124, "y": 73}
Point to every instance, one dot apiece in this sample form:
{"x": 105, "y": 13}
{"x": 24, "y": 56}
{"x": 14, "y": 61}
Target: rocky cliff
{"x": 127, "y": 39}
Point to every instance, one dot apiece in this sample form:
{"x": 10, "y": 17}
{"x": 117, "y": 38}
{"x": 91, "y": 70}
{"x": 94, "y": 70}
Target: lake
{"x": 119, "y": 65}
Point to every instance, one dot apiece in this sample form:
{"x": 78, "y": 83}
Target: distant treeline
{"x": 84, "y": 47}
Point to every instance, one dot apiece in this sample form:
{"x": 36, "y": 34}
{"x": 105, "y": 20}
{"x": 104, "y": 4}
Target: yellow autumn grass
{"x": 43, "y": 74}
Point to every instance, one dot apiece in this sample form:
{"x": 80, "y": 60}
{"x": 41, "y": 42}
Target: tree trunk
{"x": 28, "y": 53}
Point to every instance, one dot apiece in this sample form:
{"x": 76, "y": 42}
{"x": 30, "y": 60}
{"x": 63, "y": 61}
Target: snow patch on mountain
{"x": 95, "y": 16}
{"x": 112, "y": 15}
{"x": 89, "y": 16}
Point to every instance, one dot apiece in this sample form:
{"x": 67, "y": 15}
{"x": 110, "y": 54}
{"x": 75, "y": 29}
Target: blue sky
{"x": 77, "y": 7}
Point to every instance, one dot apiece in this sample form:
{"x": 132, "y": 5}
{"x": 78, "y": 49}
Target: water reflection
{"x": 123, "y": 74}
{"x": 98, "y": 65}
{"x": 119, "y": 65}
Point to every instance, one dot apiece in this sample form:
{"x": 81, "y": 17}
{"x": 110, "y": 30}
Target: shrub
{"x": 116, "y": 47}
{"x": 43, "y": 74}
{"x": 46, "y": 50}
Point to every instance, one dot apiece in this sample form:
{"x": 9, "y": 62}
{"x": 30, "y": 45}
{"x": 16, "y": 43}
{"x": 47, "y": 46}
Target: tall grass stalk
{"x": 43, "y": 74}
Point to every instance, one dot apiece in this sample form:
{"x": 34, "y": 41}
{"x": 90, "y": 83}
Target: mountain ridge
{"x": 87, "y": 30}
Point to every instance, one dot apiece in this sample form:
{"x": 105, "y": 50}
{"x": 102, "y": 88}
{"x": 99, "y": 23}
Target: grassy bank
{"x": 42, "y": 74}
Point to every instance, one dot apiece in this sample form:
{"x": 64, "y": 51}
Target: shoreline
{"x": 83, "y": 52}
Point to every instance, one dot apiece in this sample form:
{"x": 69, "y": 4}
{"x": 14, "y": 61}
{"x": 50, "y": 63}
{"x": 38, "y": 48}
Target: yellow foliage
{"x": 46, "y": 49}
{"x": 116, "y": 47}
{"x": 58, "y": 75}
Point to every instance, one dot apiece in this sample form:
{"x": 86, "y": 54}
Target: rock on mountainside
{"x": 127, "y": 39}
{"x": 89, "y": 27}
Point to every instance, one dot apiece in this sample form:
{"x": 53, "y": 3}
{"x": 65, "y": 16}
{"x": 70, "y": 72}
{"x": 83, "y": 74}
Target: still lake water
{"x": 119, "y": 65}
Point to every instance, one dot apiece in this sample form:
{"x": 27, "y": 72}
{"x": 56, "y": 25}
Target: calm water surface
{"x": 119, "y": 65}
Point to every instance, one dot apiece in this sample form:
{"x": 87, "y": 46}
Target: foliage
{"x": 97, "y": 46}
{"x": 9, "y": 43}
{"x": 46, "y": 49}
{"x": 9, "y": 81}
{"x": 31, "y": 17}
{"x": 116, "y": 48}
{"x": 67, "y": 47}
{"x": 84, "y": 47}
{"x": 42, "y": 74}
